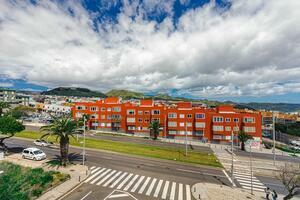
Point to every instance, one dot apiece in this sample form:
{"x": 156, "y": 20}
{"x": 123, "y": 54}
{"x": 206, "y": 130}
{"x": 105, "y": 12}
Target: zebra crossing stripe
{"x": 118, "y": 180}
{"x": 137, "y": 184}
{"x": 164, "y": 194}
{"x": 106, "y": 177}
{"x": 188, "y": 192}
{"x": 124, "y": 181}
{"x": 158, "y": 188}
{"x": 94, "y": 175}
{"x": 241, "y": 176}
{"x": 180, "y": 192}
{"x": 249, "y": 181}
{"x": 144, "y": 185}
{"x": 151, "y": 187}
{"x": 249, "y": 184}
{"x": 111, "y": 179}
{"x": 92, "y": 167}
{"x": 242, "y": 173}
{"x": 256, "y": 189}
{"x": 98, "y": 177}
{"x": 131, "y": 182}
{"x": 172, "y": 195}
{"x": 93, "y": 171}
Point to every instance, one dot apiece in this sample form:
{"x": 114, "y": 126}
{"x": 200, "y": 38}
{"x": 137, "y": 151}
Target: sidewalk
{"x": 77, "y": 173}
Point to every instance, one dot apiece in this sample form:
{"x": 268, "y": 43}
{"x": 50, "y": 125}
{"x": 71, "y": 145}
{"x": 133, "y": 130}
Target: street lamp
{"x": 274, "y": 155}
{"x": 186, "y": 148}
{"x": 83, "y": 146}
{"x": 251, "y": 167}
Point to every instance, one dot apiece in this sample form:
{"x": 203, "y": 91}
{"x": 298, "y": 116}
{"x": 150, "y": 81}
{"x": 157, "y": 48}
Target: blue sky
{"x": 239, "y": 50}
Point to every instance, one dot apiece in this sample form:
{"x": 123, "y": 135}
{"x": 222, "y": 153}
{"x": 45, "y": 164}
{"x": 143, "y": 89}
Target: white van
{"x": 33, "y": 153}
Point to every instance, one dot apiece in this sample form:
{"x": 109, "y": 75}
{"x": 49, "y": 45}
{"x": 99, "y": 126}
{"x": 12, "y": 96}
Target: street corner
{"x": 120, "y": 195}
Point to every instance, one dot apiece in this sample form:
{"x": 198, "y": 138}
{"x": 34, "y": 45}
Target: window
{"x": 249, "y": 119}
{"x": 130, "y": 119}
{"x": 140, "y": 120}
{"x": 189, "y": 116}
{"x": 200, "y": 116}
{"x": 78, "y": 115}
{"x": 108, "y": 117}
{"x": 181, "y": 124}
{"x": 103, "y": 124}
{"x": 181, "y": 116}
{"x": 236, "y": 119}
{"x": 116, "y": 116}
{"x": 102, "y": 109}
{"x": 218, "y": 128}
{"x": 80, "y": 107}
{"x": 155, "y": 112}
{"x": 116, "y": 109}
{"x": 200, "y": 125}
{"x": 140, "y": 112}
{"x": 94, "y": 108}
{"x": 199, "y": 133}
{"x": 155, "y": 120}
{"x": 102, "y": 116}
{"x": 189, "y": 124}
{"x": 227, "y": 119}
{"x": 172, "y": 132}
{"x": 227, "y": 128}
{"x": 130, "y": 112}
{"x": 131, "y": 128}
{"x": 95, "y": 116}
{"x": 108, "y": 109}
{"x": 172, "y": 115}
{"x": 172, "y": 124}
{"x": 147, "y": 112}
{"x": 218, "y": 119}
{"x": 236, "y": 128}
{"x": 147, "y": 120}
{"x": 108, "y": 124}
{"x": 249, "y": 129}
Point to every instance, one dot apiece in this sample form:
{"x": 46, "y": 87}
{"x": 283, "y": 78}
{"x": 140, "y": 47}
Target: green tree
{"x": 21, "y": 111}
{"x": 63, "y": 128}
{"x": 154, "y": 129}
{"x": 9, "y": 126}
{"x": 243, "y": 137}
{"x": 3, "y": 105}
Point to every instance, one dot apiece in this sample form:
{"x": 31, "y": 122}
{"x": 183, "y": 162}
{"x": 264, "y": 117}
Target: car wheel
{"x": 34, "y": 159}
{"x": 23, "y": 156}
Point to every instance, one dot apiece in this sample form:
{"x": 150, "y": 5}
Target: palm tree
{"x": 62, "y": 128}
{"x": 243, "y": 137}
{"x": 154, "y": 128}
{"x": 3, "y": 105}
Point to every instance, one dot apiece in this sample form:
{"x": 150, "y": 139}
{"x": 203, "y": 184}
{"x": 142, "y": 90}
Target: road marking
{"x": 131, "y": 182}
{"x": 94, "y": 175}
{"x": 120, "y": 194}
{"x": 111, "y": 179}
{"x": 93, "y": 171}
{"x": 203, "y": 173}
{"x": 158, "y": 188}
{"x": 242, "y": 176}
{"x": 124, "y": 181}
{"x": 98, "y": 177}
{"x": 164, "y": 195}
{"x": 137, "y": 184}
{"x": 249, "y": 184}
{"x": 85, "y": 196}
{"x": 229, "y": 178}
{"x": 188, "y": 192}
{"x": 249, "y": 181}
{"x": 256, "y": 189}
{"x": 92, "y": 167}
{"x": 118, "y": 180}
{"x": 172, "y": 195}
{"x": 241, "y": 173}
{"x": 144, "y": 185}
{"x": 106, "y": 177}
{"x": 151, "y": 187}
{"x": 180, "y": 192}
{"x": 1, "y": 172}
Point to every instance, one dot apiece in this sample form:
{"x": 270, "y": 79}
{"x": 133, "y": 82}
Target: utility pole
{"x": 251, "y": 167}
{"x": 232, "y": 157}
{"x": 274, "y": 155}
{"x": 83, "y": 150}
{"x": 186, "y": 148}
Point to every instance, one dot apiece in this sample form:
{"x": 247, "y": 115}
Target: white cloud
{"x": 5, "y": 85}
{"x": 252, "y": 49}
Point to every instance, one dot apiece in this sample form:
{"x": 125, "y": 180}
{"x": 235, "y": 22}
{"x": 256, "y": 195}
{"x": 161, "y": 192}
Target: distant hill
{"x": 70, "y": 91}
{"x": 282, "y": 107}
{"x": 125, "y": 94}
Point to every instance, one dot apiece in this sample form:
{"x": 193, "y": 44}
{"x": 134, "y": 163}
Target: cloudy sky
{"x": 243, "y": 50}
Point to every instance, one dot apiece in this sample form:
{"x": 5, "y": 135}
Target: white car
{"x": 33, "y": 154}
{"x": 42, "y": 143}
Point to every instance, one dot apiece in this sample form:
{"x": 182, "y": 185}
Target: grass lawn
{"x": 138, "y": 149}
{"x": 24, "y": 183}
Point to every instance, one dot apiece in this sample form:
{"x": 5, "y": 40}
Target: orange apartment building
{"x": 176, "y": 120}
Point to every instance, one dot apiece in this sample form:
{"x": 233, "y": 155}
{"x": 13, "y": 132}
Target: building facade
{"x": 176, "y": 120}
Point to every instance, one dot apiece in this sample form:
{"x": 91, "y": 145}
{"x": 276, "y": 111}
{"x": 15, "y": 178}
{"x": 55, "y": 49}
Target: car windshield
{"x": 37, "y": 152}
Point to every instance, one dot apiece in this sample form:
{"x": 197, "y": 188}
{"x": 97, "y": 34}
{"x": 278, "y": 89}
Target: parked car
{"x": 33, "y": 153}
{"x": 42, "y": 143}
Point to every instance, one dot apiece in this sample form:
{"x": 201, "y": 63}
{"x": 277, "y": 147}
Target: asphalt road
{"x": 154, "y": 168}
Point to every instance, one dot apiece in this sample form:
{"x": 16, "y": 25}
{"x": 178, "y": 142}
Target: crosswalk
{"x": 135, "y": 183}
{"x": 241, "y": 172}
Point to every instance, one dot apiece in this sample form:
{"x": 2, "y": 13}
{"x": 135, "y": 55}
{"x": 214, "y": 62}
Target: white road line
{"x": 93, "y": 171}
{"x": 106, "y": 177}
{"x": 242, "y": 176}
{"x": 254, "y": 183}
{"x": 144, "y": 185}
{"x": 118, "y": 196}
{"x": 131, "y": 182}
{"x": 188, "y": 192}
{"x": 256, "y": 189}
{"x": 165, "y": 191}
{"x": 172, "y": 195}
{"x": 111, "y": 179}
{"x": 94, "y": 175}
{"x": 180, "y": 192}
{"x": 203, "y": 173}
{"x": 229, "y": 178}
{"x": 118, "y": 180}
{"x": 249, "y": 179}
{"x": 137, "y": 184}
{"x": 241, "y": 173}
{"x": 151, "y": 187}
{"x": 92, "y": 167}
{"x": 254, "y": 186}
{"x": 158, "y": 188}
{"x": 85, "y": 196}
{"x": 124, "y": 181}
{"x": 98, "y": 177}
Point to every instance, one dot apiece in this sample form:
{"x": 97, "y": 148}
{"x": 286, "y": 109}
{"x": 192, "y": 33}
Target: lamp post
{"x": 251, "y": 167}
{"x": 83, "y": 146}
{"x": 186, "y": 148}
{"x": 274, "y": 155}
{"x": 232, "y": 157}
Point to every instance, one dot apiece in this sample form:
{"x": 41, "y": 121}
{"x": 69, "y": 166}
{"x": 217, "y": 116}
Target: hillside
{"x": 125, "y": 94}
{"x": 70, "y": 91}
{"x": 283, "y": 107}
